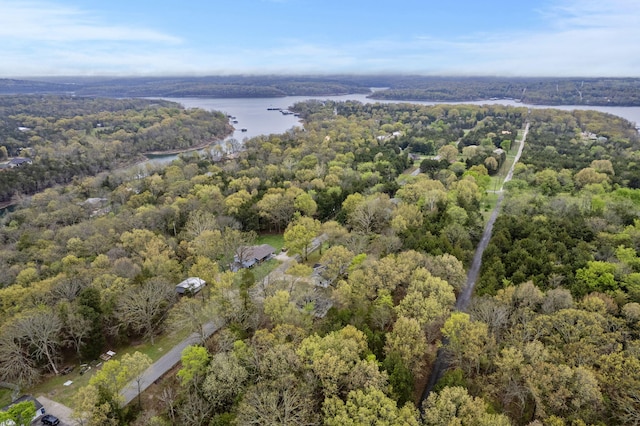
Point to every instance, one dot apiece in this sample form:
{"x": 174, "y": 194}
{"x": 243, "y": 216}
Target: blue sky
{"x": 490, "y": 37}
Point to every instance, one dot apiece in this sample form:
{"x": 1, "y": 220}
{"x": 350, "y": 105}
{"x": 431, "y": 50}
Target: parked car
{"x": 48, "y": 419}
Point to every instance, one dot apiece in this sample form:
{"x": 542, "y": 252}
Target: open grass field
{"x": 498, "y": 179}
{"x": 488, "y": 204}
{"x": 274, "y": 240}
{"x": 53, "y": 386}
{"x": 262, "y": 270}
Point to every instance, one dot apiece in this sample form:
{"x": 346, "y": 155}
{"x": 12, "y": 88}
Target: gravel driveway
{"x": 60, "y": 411}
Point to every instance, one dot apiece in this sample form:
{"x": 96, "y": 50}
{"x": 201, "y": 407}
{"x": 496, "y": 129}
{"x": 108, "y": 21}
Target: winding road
{"x": 440, "y": 365}
{"x": 172, "y": 357}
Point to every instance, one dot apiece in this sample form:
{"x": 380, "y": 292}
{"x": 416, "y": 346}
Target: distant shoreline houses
{"x": 16, "y": 162}
{"x": 19, "y": 162}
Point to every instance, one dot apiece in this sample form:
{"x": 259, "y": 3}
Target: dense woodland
{"x": 537, "y": 91}
{"x": 551, "y": 339}
{"x": 72, "y": 137}
{"x": 213, "y": 87}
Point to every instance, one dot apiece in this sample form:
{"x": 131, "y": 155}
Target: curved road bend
{"x": 172, "y": 357}
{"x": 440, "y": 365}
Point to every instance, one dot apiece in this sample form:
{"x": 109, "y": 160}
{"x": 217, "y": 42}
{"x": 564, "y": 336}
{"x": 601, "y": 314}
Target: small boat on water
{"x": 274, "y": 109}
{"x": 235, "y": 121}
{"x": 243, "y": 130}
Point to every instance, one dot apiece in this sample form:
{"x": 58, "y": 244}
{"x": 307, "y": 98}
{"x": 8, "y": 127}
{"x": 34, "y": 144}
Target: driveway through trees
{"x": 440, "y": 365}
{"x": 171, "y": 358}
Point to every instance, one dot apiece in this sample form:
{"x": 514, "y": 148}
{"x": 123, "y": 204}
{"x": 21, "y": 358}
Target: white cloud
{"x": 592, "y": 13}
{"x": 578, "y": 38}
{"x": 49, "y": 22}
{"x": 584, "y": 38}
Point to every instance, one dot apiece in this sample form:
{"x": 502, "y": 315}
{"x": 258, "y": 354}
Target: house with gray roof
{"x": 249, "y": 256}
{"x": 19, "y": 162}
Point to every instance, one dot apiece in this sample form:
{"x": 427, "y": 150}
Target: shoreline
{"x": 145, "y": 156}
{"x": 183, "y": 150}
{"x": 521, "y": 103}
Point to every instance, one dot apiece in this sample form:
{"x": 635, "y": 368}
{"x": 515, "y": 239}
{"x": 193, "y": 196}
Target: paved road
{"x": 172, "y": 357}
{"x": 62, "y": 412}
{"x": 164, "y": 364}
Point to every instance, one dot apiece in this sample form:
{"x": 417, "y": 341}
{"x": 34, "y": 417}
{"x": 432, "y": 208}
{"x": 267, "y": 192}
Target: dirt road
{"x": 440, "y": 365}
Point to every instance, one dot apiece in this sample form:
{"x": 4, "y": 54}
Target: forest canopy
{"x": 399, "y": 195}
{"x": 67, "y": 137}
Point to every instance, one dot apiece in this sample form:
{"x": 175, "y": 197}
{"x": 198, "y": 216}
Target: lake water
{"x": 253, "y": 115}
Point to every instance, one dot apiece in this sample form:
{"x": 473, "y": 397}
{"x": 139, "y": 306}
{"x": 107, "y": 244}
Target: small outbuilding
{"x": 190, "y": 286}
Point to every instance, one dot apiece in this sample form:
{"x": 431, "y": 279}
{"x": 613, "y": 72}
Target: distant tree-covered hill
{"x": 69, "y": 137}
{"x": 539, "y": 91}
{"x": 216, "y": 86}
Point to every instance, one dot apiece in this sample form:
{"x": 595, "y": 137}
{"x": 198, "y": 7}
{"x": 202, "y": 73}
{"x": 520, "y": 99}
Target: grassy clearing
{"x": 488, "y": 203}
{"x": 274, "y": 240}
{"x": 262, "y": 270}
{"x": 498, "y": 179}
{"x": 162, "y": 345}
{"x": 314, "y": 257}
{"x": 53, "y": 387}
{"x": 5, "y": 397}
